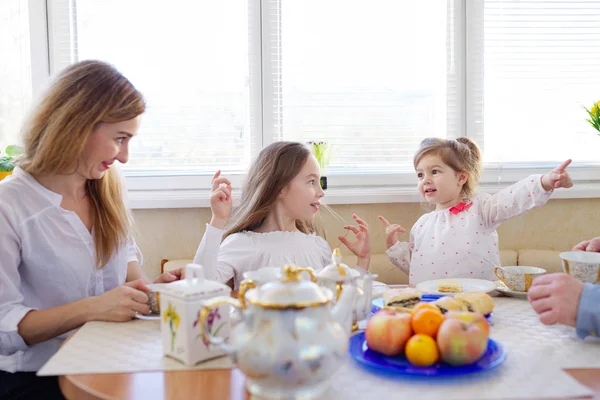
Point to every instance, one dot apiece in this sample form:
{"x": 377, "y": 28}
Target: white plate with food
{"x": 451, "y": 287}
{"x": 378, "y": 289}
{"x": 501, "y": 287}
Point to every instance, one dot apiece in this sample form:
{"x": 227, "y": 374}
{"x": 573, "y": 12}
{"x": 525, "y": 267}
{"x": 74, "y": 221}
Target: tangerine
{"x": 424, "y": 306}
{"x": 427, "y": 321}
{"x": 422, "y": 350}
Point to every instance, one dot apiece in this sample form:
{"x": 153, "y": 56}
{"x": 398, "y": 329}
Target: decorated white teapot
{"x": 180, "y": 305}
{"x": 290, "y": 339}
{"x": 339, "y": 277}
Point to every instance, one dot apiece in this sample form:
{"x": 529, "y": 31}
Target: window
{"x": 374, "y": 92}
{"x": 15, "y": 69}
{"x": 373, "y": 78}
{"x": 541, "y": 63}
{"x": 190, "y": 60}
{"x": 225, "y": 78}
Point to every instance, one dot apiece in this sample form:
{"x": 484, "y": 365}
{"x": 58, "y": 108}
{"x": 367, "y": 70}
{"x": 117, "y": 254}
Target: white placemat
{"x": 522, "y": 334}
{"x": 536, "y": 355}
{"x": 107, "y": 347}
{"x": 513, "y": 380}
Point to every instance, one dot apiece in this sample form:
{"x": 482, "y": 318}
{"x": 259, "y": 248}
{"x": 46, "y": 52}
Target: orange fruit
{"x": 424, "y": 306}
{"x": 427, "y": 321}
{"x": 422, "y": 350}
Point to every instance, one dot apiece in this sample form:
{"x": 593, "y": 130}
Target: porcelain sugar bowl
{"x": 290, "y": 340}
{"x": 339, "y": 277}
{"x": 180, "y": 306}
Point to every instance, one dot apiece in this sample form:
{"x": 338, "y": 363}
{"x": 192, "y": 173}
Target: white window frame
{"x": 153, "y": 190}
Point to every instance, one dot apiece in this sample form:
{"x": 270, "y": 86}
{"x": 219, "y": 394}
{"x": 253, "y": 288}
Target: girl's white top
{"x": 249, "y": 251}
{"x": 447, "y": 245}
{"x": 47, "y": 259}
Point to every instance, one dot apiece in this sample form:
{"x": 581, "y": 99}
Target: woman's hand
{"x": 391, "y": 232}
{"x": 170, "y": 276}
{"x": 220, "y": 201}
{"x": 122, "y": 303}
{"x": 361, "y": 247}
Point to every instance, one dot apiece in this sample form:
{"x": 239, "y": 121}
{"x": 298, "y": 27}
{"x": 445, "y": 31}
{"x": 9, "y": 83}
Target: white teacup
{"x": 263, "y": 275}
{"x": 583, "y": 265}
{"x": 518, "y": 278}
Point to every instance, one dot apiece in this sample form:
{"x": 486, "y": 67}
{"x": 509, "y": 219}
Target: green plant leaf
{"x": 14, "y": 151}
{"x": 6, "y": 165}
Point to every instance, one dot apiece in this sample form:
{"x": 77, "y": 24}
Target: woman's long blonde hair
{"x": 273, "y": 169}
{"x": 83, "y": 96}
{"x": 461, "y": 154}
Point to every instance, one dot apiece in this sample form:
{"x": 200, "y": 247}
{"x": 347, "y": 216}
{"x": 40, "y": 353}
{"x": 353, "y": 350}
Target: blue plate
{"x": 377, "y": 304}
{"x": 361, "y": 353}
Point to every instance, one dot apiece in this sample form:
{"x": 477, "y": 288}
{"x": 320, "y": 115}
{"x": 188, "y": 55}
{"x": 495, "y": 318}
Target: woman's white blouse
{"x": 447, "y": 245}
{"x": 47, "y": 259}
{"x": 248, "y": 251}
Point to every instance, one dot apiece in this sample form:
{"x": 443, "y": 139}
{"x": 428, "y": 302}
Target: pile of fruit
{"x": 426, "y": 336}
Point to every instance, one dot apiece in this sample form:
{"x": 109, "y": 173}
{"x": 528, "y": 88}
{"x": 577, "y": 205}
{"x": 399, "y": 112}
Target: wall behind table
{"x": 560, "y": 224}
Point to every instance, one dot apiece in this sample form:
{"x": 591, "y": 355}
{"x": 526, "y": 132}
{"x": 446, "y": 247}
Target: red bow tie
{"x": 460, "y": 207}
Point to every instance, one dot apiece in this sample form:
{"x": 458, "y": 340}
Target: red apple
{"x": 460, "y": 342}
{"x": 471, "y": 317}
{"x": 388, "y": 331}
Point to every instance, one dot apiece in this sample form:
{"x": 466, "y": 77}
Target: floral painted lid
{"x": 337, "y": 271}
{"x": 193, "y": 285}
{"x": 290, "y": 292}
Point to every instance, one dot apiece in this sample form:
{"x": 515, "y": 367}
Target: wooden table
{"x": 200, "y": 384}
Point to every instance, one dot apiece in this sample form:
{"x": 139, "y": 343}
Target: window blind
{"x": 372, "y": 78}
{"x": 540, "y": 65}
{"x": 190, "y": 60}
{"x": 15, "y": 69}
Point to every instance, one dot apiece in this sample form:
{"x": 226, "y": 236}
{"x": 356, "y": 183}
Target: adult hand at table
{"x": 555, "y": 297}
{"x": 171, "y": 276}
{"x": 122, "y": 303}
{"x": 588, "y": 245}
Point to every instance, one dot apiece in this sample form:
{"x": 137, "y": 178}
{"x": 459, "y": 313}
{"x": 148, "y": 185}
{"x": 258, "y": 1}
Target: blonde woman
{"x": 67, "y": 255}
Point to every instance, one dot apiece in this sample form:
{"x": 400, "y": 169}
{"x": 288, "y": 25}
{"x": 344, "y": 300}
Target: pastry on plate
{"x": 477, "y": 301}
{"x": 449, "y": 286}
{"x": 406, "y": 297}
{"x": 448, "y": 303}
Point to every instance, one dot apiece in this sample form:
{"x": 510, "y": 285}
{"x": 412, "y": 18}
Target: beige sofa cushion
{"x": 508, "y": 257}
{"x": 174, "y": 264}
{"x": 547, "y": 259}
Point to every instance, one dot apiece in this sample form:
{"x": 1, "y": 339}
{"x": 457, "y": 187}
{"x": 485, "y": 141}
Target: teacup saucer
{"x": 149, "y": 317}
{"x": 501, "y": 287}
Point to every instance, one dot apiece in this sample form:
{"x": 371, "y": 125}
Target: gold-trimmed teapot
{"x": 290, "y": 340}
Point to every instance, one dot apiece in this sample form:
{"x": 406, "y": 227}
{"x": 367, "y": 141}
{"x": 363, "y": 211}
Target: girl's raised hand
{"x": 391, "y": 232}
{"x": 220, "y": 201}
{"x": 557, "y": 178}
{"x": 361, "y": 247}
